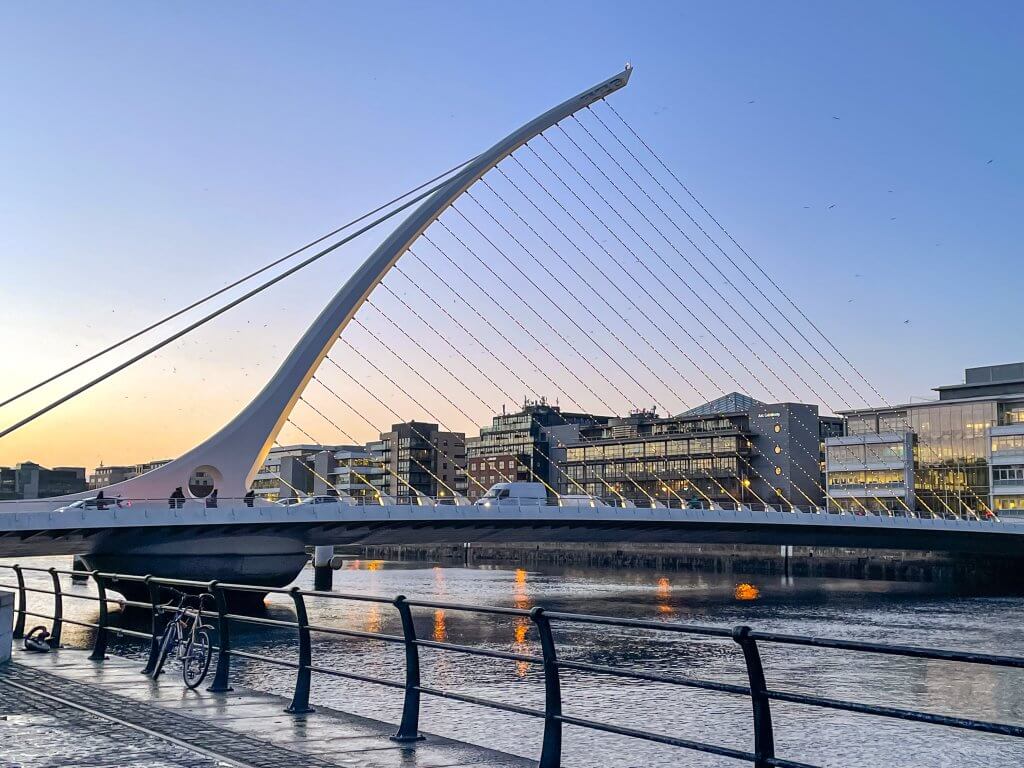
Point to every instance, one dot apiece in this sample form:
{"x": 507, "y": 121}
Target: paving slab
{"x": 242, "y": 727}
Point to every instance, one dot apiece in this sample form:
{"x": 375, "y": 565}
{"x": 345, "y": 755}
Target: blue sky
{"x": 152, "y": 152}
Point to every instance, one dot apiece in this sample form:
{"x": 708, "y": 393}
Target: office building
{"x": 418, "y": 459}
{"x": 29, "y": 480}
{"x": 518, "y": 446}
{"x": 732, "y": 449}
{"x": 102, "y": 476}
{"x": 348, "y": 470}
{"x": 287, "y": 472}
{"x": 959, "y": 455}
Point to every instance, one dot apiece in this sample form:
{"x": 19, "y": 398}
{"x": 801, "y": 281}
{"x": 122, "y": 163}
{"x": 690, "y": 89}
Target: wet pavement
{"x": 60, "y": 709}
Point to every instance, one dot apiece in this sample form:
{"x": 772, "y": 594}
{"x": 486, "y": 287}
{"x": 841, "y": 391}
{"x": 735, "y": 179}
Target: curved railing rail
{"x": 750, "y": 641}
{"x": 126, "y": 504}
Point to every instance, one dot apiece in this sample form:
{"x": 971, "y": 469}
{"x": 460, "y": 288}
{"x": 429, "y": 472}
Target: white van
{"x": 514, "y": 494}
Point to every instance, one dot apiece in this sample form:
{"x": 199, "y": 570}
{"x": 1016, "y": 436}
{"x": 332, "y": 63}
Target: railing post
{"x": 156, "y": 626}
{"x": 220, "y": 678}
{"x": 764, "y": 736}
{"x": 19, "y": 623}
{"x": 99, "y": 647}
{"x": 300, "y": 699}
{"x": 58, "y": 609}
{"x": 551, "y": 750}
{"x": 409, "y": 728}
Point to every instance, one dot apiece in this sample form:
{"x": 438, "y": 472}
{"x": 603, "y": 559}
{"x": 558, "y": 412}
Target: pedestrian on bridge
{"x": 177, "y": 499}
{"x": 211, "y": 500}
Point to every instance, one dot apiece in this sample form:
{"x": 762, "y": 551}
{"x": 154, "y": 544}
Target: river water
{"x": 882, "y": 611}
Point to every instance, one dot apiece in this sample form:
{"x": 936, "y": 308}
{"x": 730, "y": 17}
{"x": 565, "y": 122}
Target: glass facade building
{"x": 960, "y": 462}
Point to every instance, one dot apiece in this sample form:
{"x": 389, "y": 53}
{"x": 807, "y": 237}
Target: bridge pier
{"x": 323, "y": 568}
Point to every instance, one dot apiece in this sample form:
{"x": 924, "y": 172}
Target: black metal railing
{"x": 749, "y": 641}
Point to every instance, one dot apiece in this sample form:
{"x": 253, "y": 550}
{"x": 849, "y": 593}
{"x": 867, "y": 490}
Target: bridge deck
{"x": 61, "y": 708}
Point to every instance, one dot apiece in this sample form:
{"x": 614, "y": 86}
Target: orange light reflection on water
{"x": 746, "y": 591}
{"x": 521, "y": 600}
{"x": 664, "y": 597}
{"x": 440, "y": 626}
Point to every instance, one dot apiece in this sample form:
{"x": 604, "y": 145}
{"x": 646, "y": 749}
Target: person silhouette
{"x": 177, "y": 499}
{"x": 211, "y": 500}
{"x": 100, "y": 501}
{"x": 249, "y": 498}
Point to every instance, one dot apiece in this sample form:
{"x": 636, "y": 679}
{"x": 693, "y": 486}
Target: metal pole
{"x": 58, "y": 609}
{"x": 408, "y": 729}
{"x": 220, "y": 678}
{"x": 300, "y": 699}
{"x": 156, "y": 625}
{"x": 19, "y": 623}
{"x": 764, "y": 737}
{"x": 551, "y": 750}
{"x": 99, "y": 647}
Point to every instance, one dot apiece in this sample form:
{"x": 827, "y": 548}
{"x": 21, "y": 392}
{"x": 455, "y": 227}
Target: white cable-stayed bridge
{"x": 567, "y": 260}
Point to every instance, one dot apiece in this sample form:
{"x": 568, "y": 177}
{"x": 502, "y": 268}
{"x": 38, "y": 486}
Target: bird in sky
{"x": 989, "y": 163}
{"x": 832, "y": 206}
{"x": 834, "y": 117}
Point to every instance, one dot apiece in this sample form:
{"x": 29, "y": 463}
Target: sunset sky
{"x": 868, "y": 156}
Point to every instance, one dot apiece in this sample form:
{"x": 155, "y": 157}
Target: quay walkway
{"x": 60, "y": 708}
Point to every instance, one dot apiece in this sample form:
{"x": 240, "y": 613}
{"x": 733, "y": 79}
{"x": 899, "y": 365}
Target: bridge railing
{"x": 763, "y": 751}
{"x": 122, "y": 505}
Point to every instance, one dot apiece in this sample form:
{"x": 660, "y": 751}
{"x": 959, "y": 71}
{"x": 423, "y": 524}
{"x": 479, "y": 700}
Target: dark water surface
{"x": 882, "y": 611}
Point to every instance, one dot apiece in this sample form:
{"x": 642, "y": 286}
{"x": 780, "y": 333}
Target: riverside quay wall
{"x": 832, "y": 562}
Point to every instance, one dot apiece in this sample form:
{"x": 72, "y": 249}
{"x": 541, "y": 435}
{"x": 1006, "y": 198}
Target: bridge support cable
{"x": 724, "y": 346}
{"x": 608, "y": 280}
{"x": 544, "y": 320}
{"x": 362, "y": 478}
{"x": 635, "y": 307}
{"x": 563, "y": 312}
{"x": 664, "y": 481}
{"x": 742, "y": 250}
{"x": 239, "y": 281}
{"x": 399, "y": 478}
{"x": 684, "y": 306}
{"x": 752, "y": 305}
{"x": 216, "y": 313}
{"x": 708, "y": 282}
{"x": 768, "y": 277}
{"x": 426, "y": 323}
{"x": 569, "y": 291}
{"x": 618, "y": 214}
{"x": 391, "y": 380}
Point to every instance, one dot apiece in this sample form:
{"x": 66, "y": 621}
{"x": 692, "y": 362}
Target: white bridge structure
{"x": 264, "y": 543}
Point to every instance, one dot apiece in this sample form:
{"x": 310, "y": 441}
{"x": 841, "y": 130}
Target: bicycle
{"x": 187, "y": 624}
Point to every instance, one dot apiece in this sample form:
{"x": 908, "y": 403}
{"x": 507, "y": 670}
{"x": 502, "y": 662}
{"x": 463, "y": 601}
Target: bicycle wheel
{"x": 167, "y": 646}
{"x": 197, "y": 658}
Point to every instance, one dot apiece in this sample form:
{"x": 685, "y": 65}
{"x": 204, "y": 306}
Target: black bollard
{"x": 323, "y": 572}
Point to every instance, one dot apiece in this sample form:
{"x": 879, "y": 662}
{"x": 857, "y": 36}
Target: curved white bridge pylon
{"x": 233, "y": 455}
